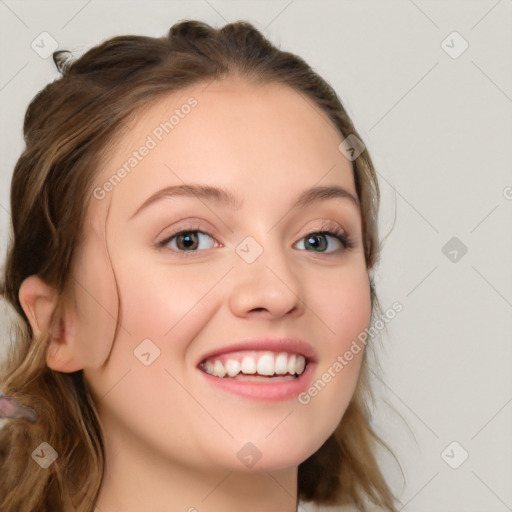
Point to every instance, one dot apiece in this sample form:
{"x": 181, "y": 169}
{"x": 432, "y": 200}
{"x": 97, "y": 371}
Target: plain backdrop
{"x": 429, "y": 87}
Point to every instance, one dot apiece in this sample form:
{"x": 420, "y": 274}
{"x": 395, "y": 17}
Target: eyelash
{"x": 327, "y": 228}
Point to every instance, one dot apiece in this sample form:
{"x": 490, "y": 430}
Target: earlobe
{"x": 40, "y": 302}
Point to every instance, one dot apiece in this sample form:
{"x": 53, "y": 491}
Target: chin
{"x": 283, "y": 452}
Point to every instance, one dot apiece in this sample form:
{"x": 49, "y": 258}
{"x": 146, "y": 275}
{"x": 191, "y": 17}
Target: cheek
{"x": 345, "y": 311}
{"x": 343, "y": 304}
{"x": 166, "y": 303}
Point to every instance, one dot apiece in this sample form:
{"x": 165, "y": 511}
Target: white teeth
{"x": 267, "y": 364}
{"x": 291, "y": 363}
{"x": 300, "y": 364}
{"x": 281, "y": 363}
{"x": 218, "y": 369}
{"x": 248, "y": 365}
{"x": 232, "y": 367}
{"x": 208, "y": 367}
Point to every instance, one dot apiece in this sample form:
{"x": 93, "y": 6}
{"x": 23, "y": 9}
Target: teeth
{"x": 291, "y": 364}
{"x": 218, "y": 369}
{"x": 248, "y": 365}
{"x": 232, "y": 367}
{"x": 281, "y": 365}
{"x": 208, "y": 367}
{"x": 300, "y": 365}
{"x": 268, "y": 364}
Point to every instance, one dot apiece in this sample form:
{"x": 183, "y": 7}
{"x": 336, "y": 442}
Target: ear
{"x": 40, "y": 302}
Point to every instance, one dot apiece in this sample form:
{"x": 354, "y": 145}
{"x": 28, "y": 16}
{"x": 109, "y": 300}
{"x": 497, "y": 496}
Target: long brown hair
{"x": 67, "y": 127}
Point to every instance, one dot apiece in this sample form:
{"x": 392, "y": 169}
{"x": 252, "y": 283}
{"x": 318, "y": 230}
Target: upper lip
{"x": 280, "y": 344}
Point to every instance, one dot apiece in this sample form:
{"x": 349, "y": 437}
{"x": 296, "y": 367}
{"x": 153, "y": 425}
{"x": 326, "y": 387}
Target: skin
{"x": 171, "y": 440}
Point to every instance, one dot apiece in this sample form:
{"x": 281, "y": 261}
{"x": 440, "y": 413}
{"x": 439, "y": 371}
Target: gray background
{"x": 439, "y": 130}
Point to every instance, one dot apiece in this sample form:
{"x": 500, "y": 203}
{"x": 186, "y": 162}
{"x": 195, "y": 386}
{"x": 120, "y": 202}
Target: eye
{"x": 330, "y": 238}
{"x": 319, "y": 241}
{"x": 186, "y": 241}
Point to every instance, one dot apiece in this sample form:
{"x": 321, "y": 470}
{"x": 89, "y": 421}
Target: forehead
{"x": 230, "y": 133}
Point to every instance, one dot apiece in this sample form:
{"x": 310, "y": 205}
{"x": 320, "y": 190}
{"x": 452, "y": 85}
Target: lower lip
{"x": 266, "y": 391}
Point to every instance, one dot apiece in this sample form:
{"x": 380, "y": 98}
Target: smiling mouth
{"x": 256, "y": 366}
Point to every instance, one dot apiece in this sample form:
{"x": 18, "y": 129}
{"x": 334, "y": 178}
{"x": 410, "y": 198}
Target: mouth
{"x": 265, "y": 368}
{"x": 256, "y": 366}
{"x": 261, "y": 375}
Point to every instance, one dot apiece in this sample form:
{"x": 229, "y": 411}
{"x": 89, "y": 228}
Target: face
{"x": 256, "y": 267}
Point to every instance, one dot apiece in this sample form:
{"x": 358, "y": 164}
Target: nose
{"x": 266, "y": 286}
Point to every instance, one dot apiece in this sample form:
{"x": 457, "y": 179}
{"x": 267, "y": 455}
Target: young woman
{"x": 194, "y": 229}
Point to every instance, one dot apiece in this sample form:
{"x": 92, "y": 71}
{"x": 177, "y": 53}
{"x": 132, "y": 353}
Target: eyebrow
{"x": 225, "y": 197}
